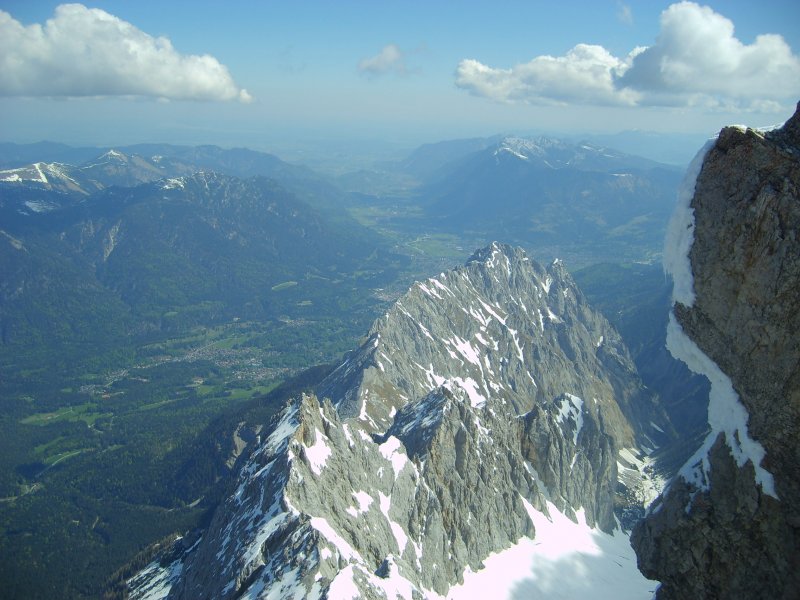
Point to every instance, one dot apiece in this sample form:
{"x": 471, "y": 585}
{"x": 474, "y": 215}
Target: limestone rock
{"x": 729, "y": 537}
{"x": 483, "y": 394}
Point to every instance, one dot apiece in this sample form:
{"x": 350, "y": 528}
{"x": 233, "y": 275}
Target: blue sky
{"x": 406, "y": 72}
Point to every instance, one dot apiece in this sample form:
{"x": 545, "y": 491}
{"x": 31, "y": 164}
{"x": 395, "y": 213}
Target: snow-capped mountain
{"x": 554, "y": 153}
{"x": 110, "y": 168}
{"x": 129, "y": 166}
{"x": 556, "y": 196}
{"x": 488, "y": 404}
{"x": 56, "y": 177}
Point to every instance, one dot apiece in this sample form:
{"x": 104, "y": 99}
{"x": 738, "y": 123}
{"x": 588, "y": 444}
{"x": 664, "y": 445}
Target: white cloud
{"x": 624, "y": 13}
{"x": 585, "y": 75}
{"x": 89, "y": 52}
{"x": 389, "y": 60}
{"x": 696, "y": 60}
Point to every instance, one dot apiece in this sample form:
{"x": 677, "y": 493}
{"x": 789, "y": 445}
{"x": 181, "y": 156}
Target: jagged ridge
{"x": 481, "y": 396}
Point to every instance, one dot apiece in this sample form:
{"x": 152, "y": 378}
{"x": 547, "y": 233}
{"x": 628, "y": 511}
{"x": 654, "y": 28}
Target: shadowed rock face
{"x": 480, "y": 396}
{"x": 733, "y": 540}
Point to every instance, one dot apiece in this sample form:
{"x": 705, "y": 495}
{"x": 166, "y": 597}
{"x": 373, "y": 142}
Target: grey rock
{"x": 483, "y": 393}
{"x": 733, "y": 540}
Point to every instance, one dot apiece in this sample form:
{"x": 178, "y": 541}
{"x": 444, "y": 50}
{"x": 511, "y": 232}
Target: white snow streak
{"x": 346, "y": 551}
{"x": 726, "y": 414}
{"x": 364, "y": 500}
{"x": 680, "y": 233}
{"x": 398, "y": 532}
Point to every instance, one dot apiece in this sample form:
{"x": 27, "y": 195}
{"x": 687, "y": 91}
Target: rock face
{"x": 484, "y": 394}
{"x": 728, "y": 527}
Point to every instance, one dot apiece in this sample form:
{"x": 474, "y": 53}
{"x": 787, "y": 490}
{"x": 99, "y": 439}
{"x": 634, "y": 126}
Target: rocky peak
{"x": 728, "y": 525}
{"x": 552, "y": 153}
{"x": 484, "y": 396}
{"x": 502, "y": 326}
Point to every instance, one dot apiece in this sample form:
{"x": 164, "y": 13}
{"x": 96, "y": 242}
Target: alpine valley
{"x": 225, "y": 375}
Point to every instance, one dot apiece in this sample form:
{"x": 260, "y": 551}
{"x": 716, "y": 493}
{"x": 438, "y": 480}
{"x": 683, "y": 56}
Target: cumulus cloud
{"x": 389, "y": 60}
{"x": 89, "y": 52}
{"x": 697, "y": 56}
{"x": 585, "y": 75}
{"x": 696, "y": 60}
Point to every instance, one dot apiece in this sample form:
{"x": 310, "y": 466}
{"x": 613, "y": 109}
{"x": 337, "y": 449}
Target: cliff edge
{"x": 728, "y": 526}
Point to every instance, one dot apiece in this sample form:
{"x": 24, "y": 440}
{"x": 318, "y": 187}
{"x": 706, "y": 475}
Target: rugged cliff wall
{"x": 729, "y": 525}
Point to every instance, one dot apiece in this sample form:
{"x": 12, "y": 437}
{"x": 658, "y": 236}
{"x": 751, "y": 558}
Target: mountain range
{"x": 173, "y": 253}
{"x": 491, "y": 402}
{"x": 55, "y": 167}
{"x": 116, "y": 264}
{"x": 560, "y": 197}
{"x": 487, "y": 399}
{"x": 577, "y": 201}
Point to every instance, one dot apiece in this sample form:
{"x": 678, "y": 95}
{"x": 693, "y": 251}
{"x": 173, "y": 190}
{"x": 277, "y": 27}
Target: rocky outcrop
{"x": 485, "y": 394}
{"x": 729, "y": 525}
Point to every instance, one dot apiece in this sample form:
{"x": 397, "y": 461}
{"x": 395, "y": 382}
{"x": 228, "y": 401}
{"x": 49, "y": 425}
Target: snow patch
{"x": 470, "y": 386}
{"x": 155, "y": 581}
{"x": 390, "y": 450}
{"x": 42, "y": 178}
{"x": 343, "y": 586}
{"x": 394, "y": 585}
{"x": 442, "y": 287}
{"x": 726, "y": 414}
{"x": 398, "y": 532}
{"x": 547, "y": 283}
{"x": 515, "y": 339}
{"x": 466, "y": 350}
{"x": 346, "y": 551}
{"x": 553, "y": 316}
{"x": 430, "y": 292}
{"x": 565, "y": 560}
{"x": 492, "y": 312}
{"x": 571, "y": 407}
{"x": 364, "y": 500}
{"x": 680, "y": 232}
{"x": 318, "y": 454}
{"x": 39, "y": 206}
{"x": 285, "y": 428}
{"x": 173, "y": 183}
{"x": 348, "y": 436}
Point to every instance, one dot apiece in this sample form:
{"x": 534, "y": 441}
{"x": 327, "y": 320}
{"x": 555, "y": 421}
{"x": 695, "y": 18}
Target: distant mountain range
{"x": 557, "y": 198}
{"x": 169, "y": 253}
{"x": 121, "y": 252}
{"x": 552, "y": 192}
{"x": 55, "y": 167}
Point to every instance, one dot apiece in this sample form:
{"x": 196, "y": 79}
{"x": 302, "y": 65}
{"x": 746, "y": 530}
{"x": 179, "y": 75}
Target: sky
{"x": 262, "y": 73}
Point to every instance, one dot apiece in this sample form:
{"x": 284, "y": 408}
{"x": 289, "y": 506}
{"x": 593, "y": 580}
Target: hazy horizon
{"x": 278, "y": 76}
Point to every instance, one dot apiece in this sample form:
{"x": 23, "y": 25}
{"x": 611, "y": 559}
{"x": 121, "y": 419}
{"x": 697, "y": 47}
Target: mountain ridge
{"x": 396, "y": 461}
